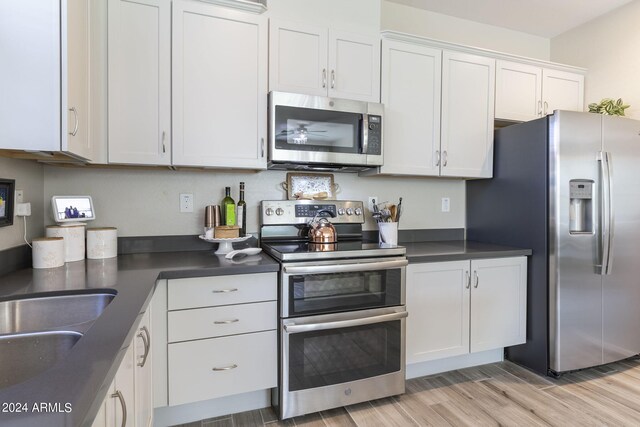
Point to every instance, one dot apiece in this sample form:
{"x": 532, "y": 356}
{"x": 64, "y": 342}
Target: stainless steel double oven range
{"x": 341, "y": 308}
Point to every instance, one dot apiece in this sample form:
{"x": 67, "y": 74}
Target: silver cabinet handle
{"x": 324, "y": 78}
{"x": 226, "y": 368}
{"x": 262, "y": 147}
{"x": 294, "y": 329}
{"x": 75, "y": 117}
{"x": 333, "y": 79}
{"x": 437, "y": 157}
{"x": 225, "y": 322}
{"x": 224, "y": 291}
{"x": 467, "y": 279}
{"x": 545, "y": 107}
{"x": 540, "y": 107}
{"x": 120, "y": 397}
{"x": 345, "y": 268}
{"x": 445, "y": 157}
{"x": 164, "y": 148}
{"x": 476, "y": 278}
{"x": 146, "y": 340}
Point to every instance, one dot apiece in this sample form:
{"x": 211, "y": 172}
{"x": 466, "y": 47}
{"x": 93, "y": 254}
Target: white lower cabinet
{"x": 462, "y": 307}
{"x": 129, "y": 398}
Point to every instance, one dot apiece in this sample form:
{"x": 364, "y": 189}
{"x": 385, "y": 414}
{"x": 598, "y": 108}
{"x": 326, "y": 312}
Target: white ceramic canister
{"x": 48, "y": 252}
{"x": 73, "y": 240}
{"x": 102, "y": 242}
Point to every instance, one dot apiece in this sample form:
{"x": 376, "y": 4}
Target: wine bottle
{"x": 242, "y": 212}
{"x": 228, "y": 208}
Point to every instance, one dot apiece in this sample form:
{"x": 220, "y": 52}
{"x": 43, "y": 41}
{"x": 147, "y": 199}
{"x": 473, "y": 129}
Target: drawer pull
{"x": 226, "y": 368}
{"x": 225, "y": 291}
{"x": 225, "y": 322}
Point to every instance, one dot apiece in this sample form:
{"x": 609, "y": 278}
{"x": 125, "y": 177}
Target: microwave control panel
{"x": 375, "y": 135}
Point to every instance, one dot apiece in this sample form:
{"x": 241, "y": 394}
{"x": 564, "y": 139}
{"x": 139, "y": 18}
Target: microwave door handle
{"x": 295, "y": 329}
{"x": 365, "y": 133}
{"x": 345, "y": 268}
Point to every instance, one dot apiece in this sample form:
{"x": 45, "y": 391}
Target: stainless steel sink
{"x": 46, "y": 313}
{"x": 26, "y": 355}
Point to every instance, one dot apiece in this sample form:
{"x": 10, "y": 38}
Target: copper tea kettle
{"x": 321, "y": 230}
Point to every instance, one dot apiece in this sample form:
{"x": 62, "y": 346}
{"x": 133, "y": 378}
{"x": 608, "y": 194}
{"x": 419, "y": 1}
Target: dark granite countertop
{"x": 83, "y": 377}
{"x": 455, "y": 250}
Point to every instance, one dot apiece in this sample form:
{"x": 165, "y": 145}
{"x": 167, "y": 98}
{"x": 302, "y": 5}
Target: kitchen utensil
{"x": 399, "y": 210}
{"x": 321, "y": 230}
{"x": 241, "y": 253}
{"x": 394, "y": 212}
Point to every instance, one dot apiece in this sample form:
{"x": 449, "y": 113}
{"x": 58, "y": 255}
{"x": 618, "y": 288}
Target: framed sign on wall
{"x": 7, "y": 191}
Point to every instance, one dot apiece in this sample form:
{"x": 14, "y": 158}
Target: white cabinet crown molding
{"x": 396, "y": 35}
{"x": 244, "y": 5}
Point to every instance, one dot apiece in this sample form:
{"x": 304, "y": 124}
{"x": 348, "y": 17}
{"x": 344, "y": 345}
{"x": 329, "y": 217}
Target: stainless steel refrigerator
{"x": 568, "y": 187}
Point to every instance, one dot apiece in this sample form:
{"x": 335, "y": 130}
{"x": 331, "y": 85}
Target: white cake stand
{"x": 225, "y": 245}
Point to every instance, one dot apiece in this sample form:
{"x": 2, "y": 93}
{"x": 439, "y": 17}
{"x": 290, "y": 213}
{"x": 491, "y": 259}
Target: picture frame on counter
{"x": 7, "y": 193}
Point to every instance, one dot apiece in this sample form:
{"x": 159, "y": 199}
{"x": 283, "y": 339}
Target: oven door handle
{"x": 292, "y": 328}
{"x": 345, "y": 268}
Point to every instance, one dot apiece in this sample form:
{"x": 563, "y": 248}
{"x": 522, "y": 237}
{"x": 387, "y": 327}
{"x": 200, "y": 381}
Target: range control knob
{"x": 349, "y": 211}
{"x": 279, "y": 211}
{"x": 358, "y": 211}
{"x": 340, "y": 211}
{"x": 269, "y": 211}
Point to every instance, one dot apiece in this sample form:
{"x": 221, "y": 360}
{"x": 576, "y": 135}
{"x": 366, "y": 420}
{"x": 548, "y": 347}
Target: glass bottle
{"x": 228, "y": 208}
{"x": 242, "y": 212}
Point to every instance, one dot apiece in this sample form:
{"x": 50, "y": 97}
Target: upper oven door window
{"x": 343, "y": 291}
{"x": 326, "y": 131}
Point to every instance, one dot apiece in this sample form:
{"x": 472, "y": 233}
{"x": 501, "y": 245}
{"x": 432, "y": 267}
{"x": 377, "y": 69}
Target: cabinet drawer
{"x": 214, "y": 322}
{"x": 244, "y": 362}
{"x": 221, "y": 290}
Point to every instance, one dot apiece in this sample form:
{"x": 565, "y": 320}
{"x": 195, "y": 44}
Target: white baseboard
{"x": 452, "y": 363}
{"x": 181, "y": 414}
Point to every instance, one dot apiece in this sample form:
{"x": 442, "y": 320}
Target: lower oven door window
{"x": 335, "y": 292}
{"x": 344, "y": 354}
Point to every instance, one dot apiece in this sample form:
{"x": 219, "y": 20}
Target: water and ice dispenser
{"x": 581, "y": 207}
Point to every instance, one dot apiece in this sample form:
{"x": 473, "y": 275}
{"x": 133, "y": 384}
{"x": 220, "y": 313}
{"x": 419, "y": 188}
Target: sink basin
{"x": 26, "y": 355}
{"x": 44, "y": 313}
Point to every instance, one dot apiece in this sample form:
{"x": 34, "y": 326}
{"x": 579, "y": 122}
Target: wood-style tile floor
{"x": 499, "y": 394}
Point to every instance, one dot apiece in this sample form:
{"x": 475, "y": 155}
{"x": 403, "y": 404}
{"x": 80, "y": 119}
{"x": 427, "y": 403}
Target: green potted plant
{"x": 609, "y": 107}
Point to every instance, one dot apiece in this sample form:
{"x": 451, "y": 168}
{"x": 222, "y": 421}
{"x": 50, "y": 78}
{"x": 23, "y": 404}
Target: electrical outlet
{"x": 19, "y": 196}
{"x": 446, "y": 204}
{"x": 23, "y": 209}
{"x": 186, "y": 202}
{"x": 372, "y": 201}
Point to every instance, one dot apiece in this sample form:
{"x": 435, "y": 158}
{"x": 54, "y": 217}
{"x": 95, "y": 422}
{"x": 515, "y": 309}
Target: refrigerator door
{"x": 621, "y": 287}
{"x": 575, "y": 283}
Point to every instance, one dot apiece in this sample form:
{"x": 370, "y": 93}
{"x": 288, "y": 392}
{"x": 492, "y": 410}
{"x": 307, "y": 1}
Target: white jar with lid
{"x": 48, "y": 252}
{"x": 102, "y": 242}
{"x": 73, "y": 240}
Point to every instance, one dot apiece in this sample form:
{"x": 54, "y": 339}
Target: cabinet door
{"x": 411, "y": 97}
{"x": 467, "y": 115}
{"x": 562, "y": 91}
{"x": 139, "y": 82}
{"x": 30, "y": 80}
{"x": 219, "y": 87}
{"x": 498, "y": 303}
{"x": 298, "y": 58}
{"x": 438, "y": 306}
{"x": 518, "y": 91}
{"x": 354, "y": 66}
{"x": 75, "y": 72}
{"x": 143, "y": 375}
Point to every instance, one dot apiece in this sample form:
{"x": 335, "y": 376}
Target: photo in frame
{"x": 7, "y": 192}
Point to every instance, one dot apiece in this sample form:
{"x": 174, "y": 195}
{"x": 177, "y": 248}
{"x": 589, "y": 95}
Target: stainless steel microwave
{"x": 316, "y": 132}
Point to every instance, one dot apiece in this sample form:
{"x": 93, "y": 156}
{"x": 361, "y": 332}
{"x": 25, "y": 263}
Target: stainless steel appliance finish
{"x": 320, "y": 133}
{"x": 341, "y": 306}
{"x": 585, "y": 166}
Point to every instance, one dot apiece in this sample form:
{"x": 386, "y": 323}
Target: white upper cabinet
{"x": 562, "y": 91}
{"x": 219, "y": 64}
{"x": 411, "y": 87}
{"x": 320, "y": 61}
{"x": 44, "y": 79}
{"x": 467, "y": 115}
{"x": 139, "y": 82}
{"x": 526, "y": 92}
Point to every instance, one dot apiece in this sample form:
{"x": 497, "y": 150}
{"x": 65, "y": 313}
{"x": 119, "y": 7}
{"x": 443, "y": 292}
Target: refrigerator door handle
{"x": 611, "y": 212}
{"x": 605, "y": 212}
